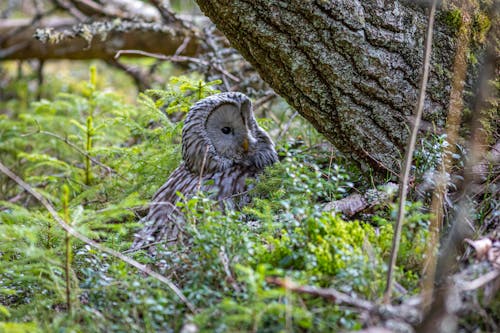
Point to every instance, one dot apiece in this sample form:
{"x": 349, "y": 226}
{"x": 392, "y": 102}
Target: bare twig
{"x": 141, "y": 81}
{"x": 93, "y": 8}
{"x": 135, "y": 249}
{"x": 225, "y": 263}
{"x": 167, "y": 15}
{"x": 200, "y": 181}
{"x": 385, "y": 167}
{"x": 75, "y": 12}
{"x": 67, "y": 266}
{"x": 287, "y": 126}
{"x": 177, "y": 52}
{"x": 403, "y": 186}
{"x": 481, "y": 281}
{"x": 264, "y": 99}
{"x": 183, "y": 46}
{"x": 86, "y": 240}
{"x": 328, "y": 293}
{"x": 215, "y": 56}
{"x": 178, "y": 58}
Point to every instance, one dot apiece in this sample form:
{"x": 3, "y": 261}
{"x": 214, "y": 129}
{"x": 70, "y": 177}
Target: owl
{"x": 222, "y": 146}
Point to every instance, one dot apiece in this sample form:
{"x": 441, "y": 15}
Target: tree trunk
{"x": 351, "y": 68}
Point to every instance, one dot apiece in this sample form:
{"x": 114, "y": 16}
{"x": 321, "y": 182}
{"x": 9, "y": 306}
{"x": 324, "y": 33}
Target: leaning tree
{"x": 352, "y": 68}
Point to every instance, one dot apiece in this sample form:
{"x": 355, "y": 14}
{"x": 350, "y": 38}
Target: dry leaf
{"x": 482, "y": 246}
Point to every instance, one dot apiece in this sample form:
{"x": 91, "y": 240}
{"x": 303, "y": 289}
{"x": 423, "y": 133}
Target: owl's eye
{"x": 226, "y": 130}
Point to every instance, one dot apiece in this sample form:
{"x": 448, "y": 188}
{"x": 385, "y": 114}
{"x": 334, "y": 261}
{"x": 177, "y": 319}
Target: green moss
{"x": 480, "y": 26}
{"x": 453, "y": 19}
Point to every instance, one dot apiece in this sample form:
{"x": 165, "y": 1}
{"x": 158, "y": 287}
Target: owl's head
{"x": 220, "y": 131}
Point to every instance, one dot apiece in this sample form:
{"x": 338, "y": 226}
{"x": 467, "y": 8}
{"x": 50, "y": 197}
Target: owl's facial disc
{"x": 228, "y": 130}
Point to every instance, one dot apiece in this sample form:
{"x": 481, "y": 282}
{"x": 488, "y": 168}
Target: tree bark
{"x": 350, "y": 67}
{"x": 66, "y": 38}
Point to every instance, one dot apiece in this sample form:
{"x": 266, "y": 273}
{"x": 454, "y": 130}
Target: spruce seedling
{"x": 67, "y": 270}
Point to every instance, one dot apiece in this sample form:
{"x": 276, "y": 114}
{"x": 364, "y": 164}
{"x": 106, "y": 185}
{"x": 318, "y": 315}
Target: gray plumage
{"x": 222, "y": 146}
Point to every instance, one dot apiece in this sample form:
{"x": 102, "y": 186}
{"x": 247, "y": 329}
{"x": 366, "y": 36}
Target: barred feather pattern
{"x": 204, "y": 169}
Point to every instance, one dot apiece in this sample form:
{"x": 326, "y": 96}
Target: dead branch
{"x": 481, "y": 281}
{"x": 70, "y": 8}
{"x": 66, "y": 38}
{"x": 166, "y": 14}
{"x": 124, "y": 9}
{"x": 355, "y": 203}
{"x": 327, "y": 293}
{"x": 177, "y": 58}
{"x": 141, "y": 80}
{"x": 406, "y": 314}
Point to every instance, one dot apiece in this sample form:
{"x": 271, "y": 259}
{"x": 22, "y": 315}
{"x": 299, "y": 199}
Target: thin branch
{"x": 183, "y": 46}
{"x": 224, "y": 259}
{"x": 215, "y": 56}
{"x": 407, "y": 312}
{"x": 148, "y": 245}
{"x": 94, "y": 7}
{"x": 328, "y": 293}
{"x": 140, "y": 80}
{"x": 178, "y": 58}
{"x": 481, "y": 281}
{"x": 75, "y": 12}
{"x": 88, "y": 241}
{"x": 394, "y": 173}
{"x": 403, "y": 186}
{"x": 287, "y": 126}
{"x": 265, "y": 99}
{"x": 167, "y": 15}
{"x": 202, "y": 169}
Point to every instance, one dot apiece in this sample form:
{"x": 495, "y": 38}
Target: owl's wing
{"x": 164, "y": 220}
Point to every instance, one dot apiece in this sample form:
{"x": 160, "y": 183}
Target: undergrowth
{"x": 99, "y": 160}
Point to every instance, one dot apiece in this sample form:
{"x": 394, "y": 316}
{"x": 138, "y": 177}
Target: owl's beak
{"x": 245, "y": 145}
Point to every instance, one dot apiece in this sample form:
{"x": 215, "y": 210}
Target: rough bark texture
{"x": 73, "y": 40}
{"x": 350, "y": 67}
